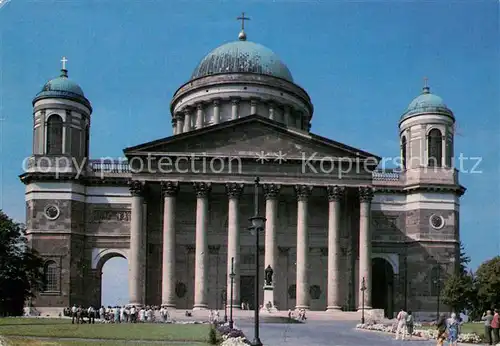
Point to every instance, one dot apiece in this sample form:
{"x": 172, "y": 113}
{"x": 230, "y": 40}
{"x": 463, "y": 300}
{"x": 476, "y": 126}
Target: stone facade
{"x": 177, "y": 209}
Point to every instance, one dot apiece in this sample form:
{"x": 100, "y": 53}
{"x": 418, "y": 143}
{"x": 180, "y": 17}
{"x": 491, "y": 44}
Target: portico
{"x": 302, "y": 213}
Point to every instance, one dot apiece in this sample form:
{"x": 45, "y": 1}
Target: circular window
{"x": 52, "y": 212}
{"x": 436, "y": 221}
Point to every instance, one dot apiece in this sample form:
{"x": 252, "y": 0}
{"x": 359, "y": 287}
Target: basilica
{"x": 339, "y": 230}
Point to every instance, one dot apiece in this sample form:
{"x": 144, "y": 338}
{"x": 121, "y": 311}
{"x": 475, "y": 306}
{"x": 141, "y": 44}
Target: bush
{"x": 212, "y": 336}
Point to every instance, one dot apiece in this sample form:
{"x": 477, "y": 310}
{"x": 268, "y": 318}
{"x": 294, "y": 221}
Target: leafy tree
{"x": 20, "y": 267}
{"x": 458, "y": 292}
{"x": 459, "y": 289}
{"x": 488, "y": 283}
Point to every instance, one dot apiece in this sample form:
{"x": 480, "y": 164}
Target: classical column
{"x": 234, "y": 108}
{"x": 201, "y": 256}
{"x": 187, "y": 120}
{"x": 180, "y": 123}
{"x": 335, "y": 194}
{"x": 286, "y": 115}
{"x": 271, "y": 111}
{"x": 169, "y": 190}
{"x": 253, "y": 107}
{"x": 298, "y": 120}
{"x": 216, "y": 111}
{"x": 302, "y": 300}
{"x": 199, "y": 116}
{"x": 174, "y": 126}
{"x": 234, "y": 192}
{"x": 136, "y": 276}
{"x": 271, "y": 192}
{"x": 365, "y": 245}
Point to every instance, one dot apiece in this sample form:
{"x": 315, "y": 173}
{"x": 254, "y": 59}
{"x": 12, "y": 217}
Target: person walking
{"x": 495, "y": 327}
{"x": 488, "y": 318}
{"x": 410, "y": 322}
{"x": 441, "y": 329}
{"x": 453, "y": 326}
{"x": 401, "y": 328}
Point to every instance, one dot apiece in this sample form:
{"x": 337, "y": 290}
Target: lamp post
{"x": 363, "y": 289}
{"x": 224, "y": 299}
{"x": 231, "y": 275}
{"x": 257, "y": 226}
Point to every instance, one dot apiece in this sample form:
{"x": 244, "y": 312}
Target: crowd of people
{"x": 117, "y": 314}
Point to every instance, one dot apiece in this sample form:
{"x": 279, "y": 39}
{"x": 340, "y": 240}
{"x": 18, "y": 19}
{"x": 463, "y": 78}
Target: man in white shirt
{"x": 401, "y": 320}
{"x": 73, "y": 314}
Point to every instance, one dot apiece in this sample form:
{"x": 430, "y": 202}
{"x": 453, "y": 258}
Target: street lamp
{"x": 257, "y": 226}
{"x": 231, "y": 275}
{"x": 363, "y": 289}
{"x": 224, "y": 299}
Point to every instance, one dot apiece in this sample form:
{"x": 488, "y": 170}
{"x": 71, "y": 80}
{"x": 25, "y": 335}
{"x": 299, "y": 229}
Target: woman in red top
{"x": 495, "y": 325}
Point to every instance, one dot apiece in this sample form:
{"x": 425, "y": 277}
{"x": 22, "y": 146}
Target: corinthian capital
{"x": 202, "y": 189}
{"x": 303, "y": 192}
{"x": 169, "y": 188}
{"x": 365, "y": 194}
{"x": 271, "y": 191}
{"x": 234, "y": 190}
{"x": 335, "y": 193}
{"x": 137, "y": 188}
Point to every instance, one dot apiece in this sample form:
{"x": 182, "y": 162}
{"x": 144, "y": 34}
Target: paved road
{"x": 322, "y": 333}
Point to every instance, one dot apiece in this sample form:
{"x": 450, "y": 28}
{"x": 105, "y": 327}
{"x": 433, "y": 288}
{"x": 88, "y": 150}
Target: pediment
{"x": 250, "y": 138}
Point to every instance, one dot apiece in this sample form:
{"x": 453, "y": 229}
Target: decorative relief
{"x": 283, "y": 250}
{"x": 323, "y": 251}
{"x": 436, "y": 221}
{"x": 384, "y": 222}
{"x": 136, "y": 188}
{"x": 271, "y": 191}
{"x": 190, "y": 249}
{"x": 202, "y": 189}
{"x": 335, "y": 193}
{"x": 234, "y": 190}
{"x": 100, "y": 215}
{"x": 366, "y": 194}
{"x": 52, "y": 212}
{"x": 315, "y": 292}
{"x": 169, "y": 188}
{"x": 180, "y": 289}
{"x": 303, "y": 192}
{"x": 213, "y": 249}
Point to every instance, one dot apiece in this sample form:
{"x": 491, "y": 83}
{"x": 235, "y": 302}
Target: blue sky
{"x": 361, "y": 62}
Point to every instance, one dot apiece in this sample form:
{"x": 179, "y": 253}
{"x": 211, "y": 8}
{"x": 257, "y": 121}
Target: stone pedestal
{"x": 268, "y": 297}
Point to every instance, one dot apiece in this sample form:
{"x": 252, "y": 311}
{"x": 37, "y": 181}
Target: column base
{"x": 137, "y": 305}
{"x": 200, "y": 307}
{"x": 302, "y": 307}
{"x": 333, "y": 308}
{"x": 168, "y": 305}
{"x": 235, "y": 307}
{"x": 360, "y": 308}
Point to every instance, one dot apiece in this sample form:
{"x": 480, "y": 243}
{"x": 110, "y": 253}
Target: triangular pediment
{"x": 250, "y": 137}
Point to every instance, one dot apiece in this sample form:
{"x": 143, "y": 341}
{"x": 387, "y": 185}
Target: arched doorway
{"x": 383, "y": 286}
{"x": 111, "y": 268}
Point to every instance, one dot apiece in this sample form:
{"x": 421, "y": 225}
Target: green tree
{"x": 488, "y": 283}
{"x": 459, "y": 290}
{"x": 20, "y": 267}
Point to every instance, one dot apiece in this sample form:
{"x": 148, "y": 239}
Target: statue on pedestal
{"x": 269, "y": 276}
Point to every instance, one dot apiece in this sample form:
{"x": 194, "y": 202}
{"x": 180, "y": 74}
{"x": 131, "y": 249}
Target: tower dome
{"x": 62, "y": 87}
{"x": 426, "y": 102}
{"x": 240, "y": 57}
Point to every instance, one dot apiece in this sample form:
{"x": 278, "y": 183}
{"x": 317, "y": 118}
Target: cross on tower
{"x": 242, "y": 18}
{"x": 64, "y": 61}
{"x": 426, "y": 80}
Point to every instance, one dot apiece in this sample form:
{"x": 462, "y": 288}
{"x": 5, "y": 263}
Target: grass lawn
{"x": 62, "y": 328}
{"x": 477, "y": 328}
{"x": 30, "y": 342}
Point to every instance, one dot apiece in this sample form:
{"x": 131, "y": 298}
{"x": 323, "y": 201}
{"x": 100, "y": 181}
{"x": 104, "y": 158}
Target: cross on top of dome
{"x": 242, "y": 36}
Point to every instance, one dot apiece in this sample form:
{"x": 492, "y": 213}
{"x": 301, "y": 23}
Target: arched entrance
{"x": 383, "y": 286}
{"x": 111, "y": 267}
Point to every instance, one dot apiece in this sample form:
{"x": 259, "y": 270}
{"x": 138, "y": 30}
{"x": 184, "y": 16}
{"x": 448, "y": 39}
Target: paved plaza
{"x": 321, "y": 333}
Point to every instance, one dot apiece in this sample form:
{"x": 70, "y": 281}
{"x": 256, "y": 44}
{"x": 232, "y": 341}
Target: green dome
{"x": 426, "y": 103}
{"x": 62, "y": 87}
{"x": 242, "y": 56}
